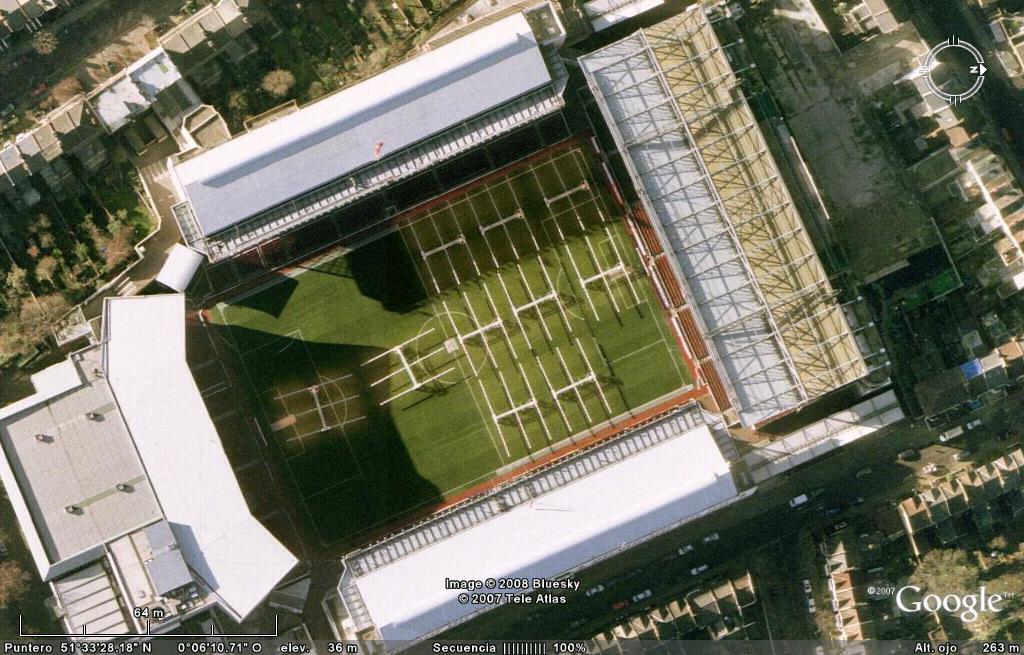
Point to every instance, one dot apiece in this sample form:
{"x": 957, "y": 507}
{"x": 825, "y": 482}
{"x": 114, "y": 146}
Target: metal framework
{"x": 706, "y": 176}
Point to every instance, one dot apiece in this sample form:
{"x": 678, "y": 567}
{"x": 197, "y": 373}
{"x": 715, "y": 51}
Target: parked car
{"x": 807, "y": 586}
{"x": 620, "y": 604}
{"x": 859, "y": 500}
{"x": 697, "y": 570}
{"x": 593, "y": 591}
{"x": 797, "y": 501}
{"x": 688, "y": 548}
{"x": 970, "y": 425}
{"x": 643, "y": 595}
{"x": 714, "y": 536}
{"x": 963, "y": 455}
{"x": 910, "y": 454}
{"x": 842, "y": 525}
{"x": 810, "y": 606}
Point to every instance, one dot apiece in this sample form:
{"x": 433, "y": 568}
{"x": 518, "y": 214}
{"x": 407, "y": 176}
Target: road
{"x": 751, "y": 524}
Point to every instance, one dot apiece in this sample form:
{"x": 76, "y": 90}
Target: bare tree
{"x": 278, "y": 82}
{"x": 46, "y": 269}
{"x": 45, "y": 43}
{"x": 66, "y": 89}
{"x": 14, "y": 583}
{"x": 946, "y": 572}
{"x": 37, "y": 318}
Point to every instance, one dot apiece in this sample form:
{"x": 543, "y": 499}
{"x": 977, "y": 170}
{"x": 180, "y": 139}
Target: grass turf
{"x": 379, "y": 372}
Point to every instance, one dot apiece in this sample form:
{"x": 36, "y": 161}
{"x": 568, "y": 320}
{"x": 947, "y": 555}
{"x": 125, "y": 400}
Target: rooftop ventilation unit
{"x": 73, "y": 509}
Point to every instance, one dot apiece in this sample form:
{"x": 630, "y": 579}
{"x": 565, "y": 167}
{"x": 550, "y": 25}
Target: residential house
{"x": 868, "y": 16}
{"x": 14, "y": 184}
{"x": 80, "y": 133}
{"x": 978, "y": 498}
{"x": 41, "y": 149}
{"x": 720, "y": 612}
{"x": 150, "y": 98}
{"x": 216, "y": 29}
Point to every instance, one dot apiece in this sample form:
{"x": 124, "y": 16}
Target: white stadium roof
{"x": 608, "y": 505}
{"x": 223, "y": 544}
{"x": 338, "y": 135}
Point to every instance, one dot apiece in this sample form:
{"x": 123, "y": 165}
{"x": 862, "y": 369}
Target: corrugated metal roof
{"x": 234, "y": 555}
{"x": 557, "y": 531}
{"x": 340, "y": 134}
{"x": 168, "y": 571}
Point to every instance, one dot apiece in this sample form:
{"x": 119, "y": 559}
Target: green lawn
{"x": 422, "y": 363}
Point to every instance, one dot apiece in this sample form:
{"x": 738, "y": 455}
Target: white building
{"x": 122, "y": 489}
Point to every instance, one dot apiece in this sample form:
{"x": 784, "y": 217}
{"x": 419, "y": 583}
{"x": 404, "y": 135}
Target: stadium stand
{"x": 354, "y": 143}
{"x": 396, "y": 590}
{"x": 779, "y": 333}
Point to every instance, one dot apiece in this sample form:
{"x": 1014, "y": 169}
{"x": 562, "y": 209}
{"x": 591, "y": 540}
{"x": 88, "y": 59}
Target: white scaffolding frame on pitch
{"x": 574, "y": 385}
{"x": 428, "y": 254}
{"x": 480, "y": 331}
{"x": 415, "y": 383}
{"x": 613, "y": 271}
{"x": 604, "y": 272}
{"x": 535, "y": 301}
{"x": 319, "y": 407}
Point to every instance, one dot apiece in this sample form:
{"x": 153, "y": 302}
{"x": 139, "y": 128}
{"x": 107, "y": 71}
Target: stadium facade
{"x": 561, "y": 518}
{"x": 261, "y": 184}
{"x": 123, "y": 493}
{"x": 743, "y": 278}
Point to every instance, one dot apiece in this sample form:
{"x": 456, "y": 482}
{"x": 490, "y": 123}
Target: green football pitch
{"x": 490, "y": 326}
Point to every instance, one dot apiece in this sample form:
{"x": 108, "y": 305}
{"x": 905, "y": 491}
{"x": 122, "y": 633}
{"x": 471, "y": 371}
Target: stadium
{"x": 450, "y": 321}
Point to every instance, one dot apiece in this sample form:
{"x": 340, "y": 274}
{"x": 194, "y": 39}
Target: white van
{"x": 951, "y": 434}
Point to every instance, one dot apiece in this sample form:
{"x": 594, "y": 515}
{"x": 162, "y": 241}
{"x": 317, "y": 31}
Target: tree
{"x": 17, "y": 281}
{"x": 946, "y": 572}
{"x": 998, "y": 542}
{"x": 66, "y": 89}
{"x": 117, "y": 247}
{"x": 14, "y": 582}
{"x": 46, "y": 269}
{"x": 45, "y": 43}
{"x": 37, "y": 318}
{"x": 278, "y": 82}
{"x": 238, "y": 101}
